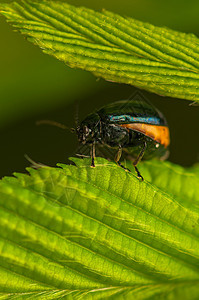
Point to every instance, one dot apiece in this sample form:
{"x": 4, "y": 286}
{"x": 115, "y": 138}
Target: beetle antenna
{"x": 194, "y": 103}
{"x": 77, "y": 117}
{"x": 54, "y": 123}
{"x": 34, "y": 164}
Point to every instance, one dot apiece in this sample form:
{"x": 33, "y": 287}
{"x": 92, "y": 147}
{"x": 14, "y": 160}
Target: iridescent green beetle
{"x": 131, "y": 126}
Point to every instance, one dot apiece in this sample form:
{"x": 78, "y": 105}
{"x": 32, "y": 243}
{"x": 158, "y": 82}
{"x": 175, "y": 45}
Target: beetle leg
{"x": 118, "y": 156}
{"x": 93, "y": 155}
{"x": 138, "y": 159}
{"x": 138, "y": 174}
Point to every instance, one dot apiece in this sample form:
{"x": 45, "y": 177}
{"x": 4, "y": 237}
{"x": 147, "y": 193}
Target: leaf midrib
{"x": 82, "y": 22}
{"x": 50, "y": 259}
{"x": 121, "y": 232}
{"x": 156, "y": 189}
{"x": 71, "y": 242}
{"x": 77, "y": 17}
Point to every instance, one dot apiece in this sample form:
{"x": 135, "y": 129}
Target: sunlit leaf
{"x": 85, "y": 233}
{"x": 113, "y": 47}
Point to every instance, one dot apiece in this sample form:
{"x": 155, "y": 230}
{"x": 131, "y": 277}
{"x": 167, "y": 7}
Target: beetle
{"x": 134, "y": 127}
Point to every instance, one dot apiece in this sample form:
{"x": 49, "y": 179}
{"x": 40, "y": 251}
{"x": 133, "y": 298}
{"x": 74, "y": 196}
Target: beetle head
{"x": 88, "y": 130}
{"x": 84, "y": 134}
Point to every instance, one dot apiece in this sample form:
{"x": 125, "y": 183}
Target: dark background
{"x": 35, "y": 86}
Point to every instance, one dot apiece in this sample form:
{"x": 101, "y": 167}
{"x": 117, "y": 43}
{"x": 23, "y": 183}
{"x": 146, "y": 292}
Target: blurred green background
{"x": 35, "y": 86}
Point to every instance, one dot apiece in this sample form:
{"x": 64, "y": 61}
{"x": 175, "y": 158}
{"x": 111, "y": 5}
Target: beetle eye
{"x": 86, "y": 130}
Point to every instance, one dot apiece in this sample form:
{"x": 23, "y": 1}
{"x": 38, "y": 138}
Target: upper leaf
{"x": 118, "y": 49}
{"x": 98, "y": 234}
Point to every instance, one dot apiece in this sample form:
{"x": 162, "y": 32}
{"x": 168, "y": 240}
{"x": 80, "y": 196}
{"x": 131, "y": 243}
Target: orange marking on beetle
{"x": 159, "y": 134}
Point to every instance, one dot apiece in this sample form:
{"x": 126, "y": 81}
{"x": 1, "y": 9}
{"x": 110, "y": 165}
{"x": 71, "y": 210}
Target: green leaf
{"x": 115, "y": 48}
{"x": 78, "y": 232}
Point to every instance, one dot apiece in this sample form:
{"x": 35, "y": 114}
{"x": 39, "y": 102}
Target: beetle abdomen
{"x": 159, "y": 134}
